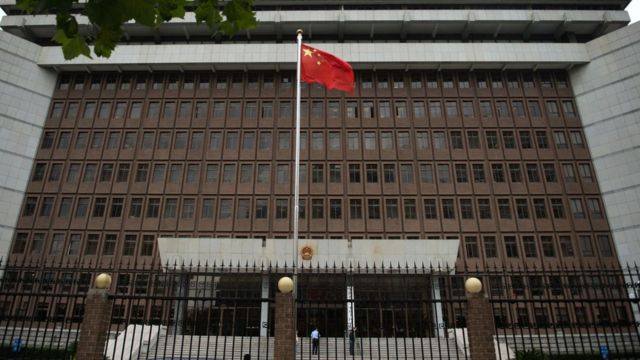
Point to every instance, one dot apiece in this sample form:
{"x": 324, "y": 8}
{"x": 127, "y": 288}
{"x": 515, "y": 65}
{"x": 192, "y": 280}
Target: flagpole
{"x": 296, "y": 179}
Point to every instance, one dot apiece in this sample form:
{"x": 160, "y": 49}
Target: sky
{"x": 633, "y": 9}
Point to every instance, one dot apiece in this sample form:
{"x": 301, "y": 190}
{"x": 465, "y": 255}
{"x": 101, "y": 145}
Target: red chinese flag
{"x": 317, "y": 66}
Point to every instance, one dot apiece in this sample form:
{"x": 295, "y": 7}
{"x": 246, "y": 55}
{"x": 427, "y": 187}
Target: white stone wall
{"x": 608, "y": 97}
{"x": 25, "y": 93}
{"x": 491, "y": 55}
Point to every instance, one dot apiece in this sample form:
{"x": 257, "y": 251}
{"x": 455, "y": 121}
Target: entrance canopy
{"x": 339, "y": 252}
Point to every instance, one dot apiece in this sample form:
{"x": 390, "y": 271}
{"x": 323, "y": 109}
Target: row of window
{"x": 489, "y": 246}
{"x": 332, "y": 140}
{"x": 284, "y": 80}
{"x": 190, "y": 173}
{"x": 319, "y": 110}
{"x": 241, "y": 208}
{"x": 528, "y": 246}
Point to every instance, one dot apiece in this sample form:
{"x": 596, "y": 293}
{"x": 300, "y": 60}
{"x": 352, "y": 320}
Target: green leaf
{"x": 106, "y": 41}
{"x": 239, "y": 16}
{"x": 72, "y": 47}
{"x": 207, "y": 12}
{"x": 142, "y": 11}
{"x": 168, "y": 9}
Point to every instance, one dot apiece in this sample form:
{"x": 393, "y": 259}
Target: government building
{"x": 481, "y": 135}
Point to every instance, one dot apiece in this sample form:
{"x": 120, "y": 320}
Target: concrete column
{"x": 436, "y": 305}
{"x": 95, "y": 325}
{"x": 264, "y": 307}
{"x": 285, "y": 332}
{"x": 480, "y": 327}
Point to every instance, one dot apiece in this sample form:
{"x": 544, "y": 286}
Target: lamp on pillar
{"x": 103, "y": 281}
{"x": 473, "y": 285}
{"x": 285, "y": 285}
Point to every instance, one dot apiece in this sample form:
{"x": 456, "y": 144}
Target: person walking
{"x": 315, "y": 341}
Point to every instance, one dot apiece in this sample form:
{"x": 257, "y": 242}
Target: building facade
{"x": 510, "y": 126}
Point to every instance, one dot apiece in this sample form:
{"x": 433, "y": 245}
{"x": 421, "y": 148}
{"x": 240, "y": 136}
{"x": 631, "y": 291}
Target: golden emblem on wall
{"x": 306, "y": 253}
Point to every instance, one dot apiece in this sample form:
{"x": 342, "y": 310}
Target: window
{"x": 456, "y": 140}
{"x": 484, "y": 209}
{"x": 525, "y": 139}
{"x": 508, "y": 139}
{"x": 99, "y": 207}
{"x": 576, "y": 208}
{"x": 170, "y": 208}
{"x": 576, "y": 139}
{"x": 502, "y": 109}
{"x": 264, "y": 172}
{"x": 585, "y": 245}
{"x": 82, "y": 207}
{"x": 410, "y": 210}
{"x": 435, "y": 109}
{"x": 532, "y": 173}
{"x": 317, "y": 208}
{"x": 153, "y": 208}
{"x": 369, "y": 140}
{"x": 354, "y": 173}
{"x": 57, "y": 244}
{"x": 335, "y": 173}
{"x": 334, "y": 140}
{"x": 129, "y": 246}
{"x": 461, "y": 173}
{"x": 228, "y": 173}
{"x": 557, "y": 208}
{"x": 403, "y": 140}
{"x": 490, "y": 247}
{"x": 549, "y": 172}
{"x": 471, "y": 246}
{"x": 264, "y": 141}
{"x": 335, "y": 209}
{"x": 560, "y": 139}
{"x": 175, "y": 173}
{"x": 569, "y": 174}
{"x": 30, "y": 206}
{"x": 511, "y": 246}
{"x": 242, "y": 211}
{"x": 467, "y": 109}
{"x": 317, "y": 173}
{"x": 353, "y": 140}
{"x": 504, "y": 208}
{"x": 400, "y": 109}
{"x": 117, "y": 204}
{"x": 426, "y": 173}
{"x": 514, "y": 173}
{"x": 492, "y": 139}
{"x": 373, "y": 208}
{"x": 534, "y": 109}
{"x": 585, "y": 172}
{"x": 466, "y": 209}
{"x": 419, "y": 109}
{"x": 226, "y": 208}
{"x": 485, "y": 109}
{"x": 540, "y": 208}
{"x": 552, "y": 108}
{"x": 448, "y": 211}
{"x": 355, "y": 208}
{"x": 416, "y": 80}
{"x": 548, "y": 248}
{"x": 529, "y": 247}
{"x": 439, "y": 140}
{"x": 568, "y": 108}
{"x": 542, "y": 140}
{"x": 594, "y": 208}
{"x": 518, "y": 109}
{"x": 389, "y": 173}
{"x": 406, "y": 173}
{"x": 604, "y": 245}
{"x": 135, "y": 209}
{"x": 566, "y": 247}
{"x": 522, "y": 208}
{"x": 372, "y": 173}
{"x": 452, "y": 108}
{"x": 282, "y": 173}
{"x": 443, "y": 173}
{"x": 261, "y": 208}
{"x": 430, "y": 209}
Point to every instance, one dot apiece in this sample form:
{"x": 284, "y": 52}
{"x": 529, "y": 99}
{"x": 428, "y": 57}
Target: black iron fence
{"x": 226, "y": 311}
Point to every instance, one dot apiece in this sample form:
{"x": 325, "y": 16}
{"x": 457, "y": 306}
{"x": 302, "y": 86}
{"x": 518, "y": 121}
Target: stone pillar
{"x": 480, "y": 327}
{"x": 285, "y": 332}
{"x": 95, "y": 325}
{"x": 436, "y": 311}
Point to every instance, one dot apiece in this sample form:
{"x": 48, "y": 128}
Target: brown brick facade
{"x": 497, "y": 159}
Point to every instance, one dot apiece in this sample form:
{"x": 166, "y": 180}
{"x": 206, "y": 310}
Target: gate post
{"x": 96, "y": 320}
{"x": 285, "y": 333}
{"x": 480, "y": 326}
